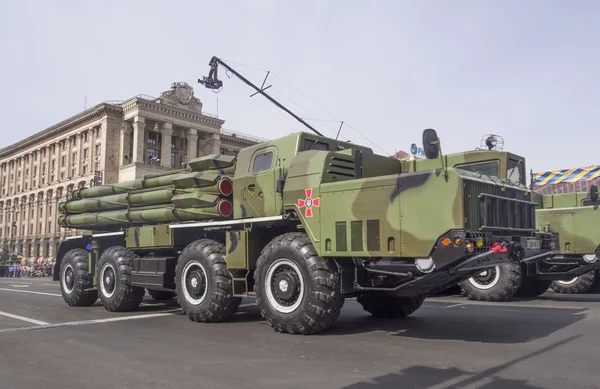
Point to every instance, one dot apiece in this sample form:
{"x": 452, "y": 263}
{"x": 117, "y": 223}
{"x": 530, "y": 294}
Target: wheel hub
{"x": 69, "y": 279}
{"x": 109, "y": 281}
{"x": 485, "y": 277}
{"x": 196, "y": 283}
{"x": 286, "y": 287}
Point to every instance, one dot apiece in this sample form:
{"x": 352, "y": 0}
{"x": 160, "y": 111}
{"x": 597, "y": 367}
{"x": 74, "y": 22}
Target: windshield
{"x": 486, "y": 168}
{"x": 515, "y": 171}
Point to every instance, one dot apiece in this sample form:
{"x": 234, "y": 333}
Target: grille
{"x": 488, "y": 208}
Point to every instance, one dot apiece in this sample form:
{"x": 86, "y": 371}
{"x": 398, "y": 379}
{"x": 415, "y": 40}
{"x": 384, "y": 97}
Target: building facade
{"x": 111, "y": 142}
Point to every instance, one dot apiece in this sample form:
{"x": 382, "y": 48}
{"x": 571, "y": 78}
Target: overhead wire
{"x": 309, "y": 99}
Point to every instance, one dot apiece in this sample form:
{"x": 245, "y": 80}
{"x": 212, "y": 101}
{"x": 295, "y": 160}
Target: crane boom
{"x": 212, "y": 82}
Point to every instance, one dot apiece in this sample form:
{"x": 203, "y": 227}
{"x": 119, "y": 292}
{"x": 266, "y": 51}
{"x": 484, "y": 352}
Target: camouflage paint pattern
{"x": 350, "y": 201}
{"x": 576, "y": 223}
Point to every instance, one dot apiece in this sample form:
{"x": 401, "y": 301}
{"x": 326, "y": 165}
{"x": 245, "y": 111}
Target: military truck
{"x": 578, "y": 257}
{"x": 569, "y": 205}
{"x": 303, "y": 221}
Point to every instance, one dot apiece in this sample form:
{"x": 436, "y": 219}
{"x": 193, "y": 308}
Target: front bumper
{"x": 454, "y": 263}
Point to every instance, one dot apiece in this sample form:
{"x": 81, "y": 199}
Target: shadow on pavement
{"x": 424, "y": 377}
{"x": 470, "y": 323}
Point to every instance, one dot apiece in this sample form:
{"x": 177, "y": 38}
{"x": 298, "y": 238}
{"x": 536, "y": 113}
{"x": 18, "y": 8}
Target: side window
{"x": 262, "y": 162}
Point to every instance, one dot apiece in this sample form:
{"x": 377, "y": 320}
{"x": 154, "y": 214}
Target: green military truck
{"x": 565, "y": 214}
{"x": 303, "y": 221}
{"x": 569, "y": 205}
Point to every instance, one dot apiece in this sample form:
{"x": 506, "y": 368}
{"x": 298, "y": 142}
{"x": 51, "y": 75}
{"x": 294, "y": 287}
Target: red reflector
{"x": 225, "y": 186}
{"x": 225, "y": 208}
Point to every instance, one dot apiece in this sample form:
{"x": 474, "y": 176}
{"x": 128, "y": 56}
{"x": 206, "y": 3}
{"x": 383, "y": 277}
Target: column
{"x": 40, "y": 165}
{"x": 165, "y": 151}
{"x": 30, "y": 176}
{"x": 139, "y": 131}
{"x": 192, "y": 141}
{"x": 80, "y": 154}
{"x": 68, "y": 158}
{"x": 215, "y": 140}
{"x": 125, "y": 144}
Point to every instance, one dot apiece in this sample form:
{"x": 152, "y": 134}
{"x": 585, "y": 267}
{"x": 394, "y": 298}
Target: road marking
{"x": 455, "y": 305}
{"x": 30, "y": 291}
{"x": 23, "y": 318}
{"x": 19, "y": 285}
{"x": 95, "y": 321}
{"x": 50, "y": 284}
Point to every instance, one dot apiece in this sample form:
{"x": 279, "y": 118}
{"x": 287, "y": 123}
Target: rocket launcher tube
{"x": 143, "y": 197}
{"x": 151, "y": 196}
{"x": 179, "y": 178}
{"x": 148, "y": 215}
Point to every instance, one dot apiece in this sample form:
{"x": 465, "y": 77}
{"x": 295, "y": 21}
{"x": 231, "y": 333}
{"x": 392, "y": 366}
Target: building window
{"x": 151, "y": 155}
{"x": 62, "y": 162}
{"x": 85, "y": 153}
{"x": 96, "y": 166}
{"x": 74, "y": 156}
{"x": 154, "y": 138}
{"x": 84, "y": 169}
{"x": 72, "y": 172}
{"x": 85, "y": 137}
{"x": 172, "y": 159}
{"x": 97, "y": 150}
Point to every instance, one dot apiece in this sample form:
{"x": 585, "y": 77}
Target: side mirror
{"x": 594, "y": 193}
{"x": 431, "y": 144}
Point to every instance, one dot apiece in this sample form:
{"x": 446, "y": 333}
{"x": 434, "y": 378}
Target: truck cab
{"x": 558, "y": 214}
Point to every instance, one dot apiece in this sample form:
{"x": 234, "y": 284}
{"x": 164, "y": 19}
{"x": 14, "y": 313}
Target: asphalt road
{"x": 550, "y": 342}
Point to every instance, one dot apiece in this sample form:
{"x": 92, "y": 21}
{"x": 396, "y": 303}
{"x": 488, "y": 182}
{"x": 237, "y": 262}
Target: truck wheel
{"x": 298, "y": 291}
{"x": 497, "y": 284}
{"x": 204, "y": 288}
{"x": 75, "y": 278}
{"x": 390, "y": 306}
{"x": 576, "y": 285}
{"x": 161, "y": 295}
{"x": 532, "y": 287}
{"x": 114, "y": 280}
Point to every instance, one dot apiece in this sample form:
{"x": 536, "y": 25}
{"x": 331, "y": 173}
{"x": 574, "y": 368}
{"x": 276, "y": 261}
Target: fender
{"x": 63, "y": 248}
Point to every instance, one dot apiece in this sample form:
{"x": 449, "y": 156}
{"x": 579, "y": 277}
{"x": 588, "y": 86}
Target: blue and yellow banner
{"x": 567, "y": 175}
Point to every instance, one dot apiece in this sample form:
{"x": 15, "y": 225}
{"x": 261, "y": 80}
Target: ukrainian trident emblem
{"x": 308, "y": 203}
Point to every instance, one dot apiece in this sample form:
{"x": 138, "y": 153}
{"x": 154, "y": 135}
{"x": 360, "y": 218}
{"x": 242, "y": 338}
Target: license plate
{"x": 533, "y": 244}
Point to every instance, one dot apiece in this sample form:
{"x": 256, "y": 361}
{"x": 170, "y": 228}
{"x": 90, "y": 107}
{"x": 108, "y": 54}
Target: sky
{"x": 525, "y": 70}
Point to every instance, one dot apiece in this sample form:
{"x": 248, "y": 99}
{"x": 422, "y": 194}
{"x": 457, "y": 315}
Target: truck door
{"x": 259, "y": 185}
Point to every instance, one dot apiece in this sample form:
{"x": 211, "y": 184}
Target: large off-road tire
{"x": 390, "y": 306}
{"x": 533, "y": 287}
{"x": 114, "y": 280}
{"x": 298, "y": 292}
{"x": 577, "y": 285}
{"x": 497, "y": 284}
{"x": 161, "y": 295}
{"x": 75, "y": 278}
{"x": 203, "y": 285}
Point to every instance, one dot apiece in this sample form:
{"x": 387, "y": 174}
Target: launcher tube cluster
{"x": 201, "y": 192}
